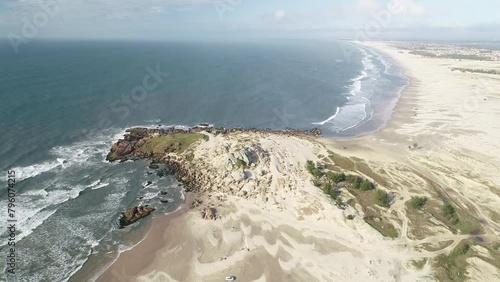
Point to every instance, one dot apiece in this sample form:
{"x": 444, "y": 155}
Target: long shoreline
{"x": 153, "y": 243}
{"x": 386, "y": 147}
{"x": 381, "y": 117}
{"x": 151, "y": 240}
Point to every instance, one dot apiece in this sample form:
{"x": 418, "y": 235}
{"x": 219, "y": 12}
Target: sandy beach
{"x": 278, "y": 226}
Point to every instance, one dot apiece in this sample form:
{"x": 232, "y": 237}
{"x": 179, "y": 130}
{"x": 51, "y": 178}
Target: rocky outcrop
{"x": 237, "y": 165}
{"x": 316, "y": 132}
{"x": 120, "y": 150}
{"x": 133, "y": 214}
{"x": 125, "y": 148}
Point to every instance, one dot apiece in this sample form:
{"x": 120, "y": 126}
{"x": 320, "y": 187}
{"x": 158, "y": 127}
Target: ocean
{"x": 64, "y": 103}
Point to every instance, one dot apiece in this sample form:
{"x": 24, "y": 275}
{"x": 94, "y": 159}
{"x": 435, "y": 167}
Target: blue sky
{"x": 161, "y": 19}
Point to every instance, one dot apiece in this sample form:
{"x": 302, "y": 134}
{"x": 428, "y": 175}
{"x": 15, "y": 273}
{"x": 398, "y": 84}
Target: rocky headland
{"x": 207, "y": 159}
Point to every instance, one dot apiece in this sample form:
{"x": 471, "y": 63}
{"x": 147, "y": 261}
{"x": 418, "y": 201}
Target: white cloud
{"x": 279, "y": 15}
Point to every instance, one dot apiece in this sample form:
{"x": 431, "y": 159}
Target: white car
{"x": 230, "y": 278}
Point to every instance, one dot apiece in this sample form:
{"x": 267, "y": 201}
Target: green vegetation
{"x": 366, "y": 185}
{"x": 382, "y": 198}
{"x": 168, "y": 143}
{"x": 469, "y": 226}
{"x": 315, "y": 171}
{"x": 418, "y": 202}
{"x": 330, "y": 190}
{"x": 343, "y": 162}
{"x": 362, "y": 167}
{"x": 364, "y": 193}
{"x": 449, "y": 213}
{"x": 419, "y": 264}
{"x": 385, "y": 228}
{"x": 357, "y": 182}
{"x": 241, "y": 164}
{"x": 453, "y": 266}
{"x": 476, "y": 70}
{"x": 449, "y": 56}
{"x": 339, "y": 202}
{"x": 336, "y": 177}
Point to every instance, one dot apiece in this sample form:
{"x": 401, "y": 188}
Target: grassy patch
{"x": 449, "y": 213}
{"x": 384, "y": 227}
{"x": 433, "y": 247}
{"x": 419, "y": 264}
{"x": 469, "y": 227}
{"x": 418, "y": 202}
{"x": 366, "y": 170}
{"x": 420, "y": 226}
{"x": 453, "y": 266}
{"x": 169, "y": 143}
{"x": 313, "y": 169}
{"x": 363, "y": 190}
{"x": 343, "y": 162}
{"x": 458, "y": 219}
{"x": 382, "y": 198}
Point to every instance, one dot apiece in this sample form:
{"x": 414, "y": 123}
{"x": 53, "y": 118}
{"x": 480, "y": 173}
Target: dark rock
{"x": 160, "y": 173}
{"x": 316, "y": 132}
{"x": 120, "y": 150}
{"x": 132, "y": 215}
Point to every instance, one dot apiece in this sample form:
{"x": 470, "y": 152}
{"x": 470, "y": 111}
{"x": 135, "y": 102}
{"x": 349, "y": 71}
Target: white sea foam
{"x": 34, "y": 170}
{"x": 150, "y": 195}
{"x": 349, "y": 116}
{"x": 27, "y": 226}
{"x": 357, "y": 94}
{"x": 328, "y": 119}
{"x": 39, "y": 207}
{"x": 97, "y": 185}
{"x": 67, "y": 156}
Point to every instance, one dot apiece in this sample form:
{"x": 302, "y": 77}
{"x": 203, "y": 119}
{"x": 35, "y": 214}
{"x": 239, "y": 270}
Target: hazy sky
{"x": 159, "y": 19}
